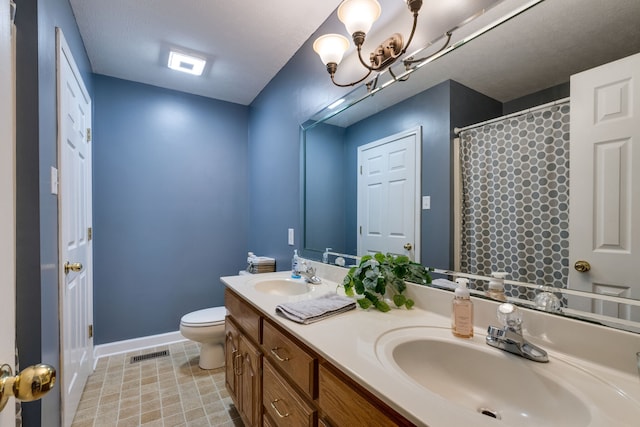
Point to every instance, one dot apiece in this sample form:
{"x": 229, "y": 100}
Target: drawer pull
{"x": 274, "y": 351}
{"x": 237, "y": 367}
{"x": 273, "y": 405}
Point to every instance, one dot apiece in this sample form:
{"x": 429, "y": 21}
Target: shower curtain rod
{"x": 508, "y": 116}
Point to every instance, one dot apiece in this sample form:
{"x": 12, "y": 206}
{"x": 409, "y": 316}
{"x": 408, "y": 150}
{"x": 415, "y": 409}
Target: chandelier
{"x": 358, "y": 16}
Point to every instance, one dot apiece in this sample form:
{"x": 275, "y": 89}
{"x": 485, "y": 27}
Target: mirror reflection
{"x": 507, "y": 207}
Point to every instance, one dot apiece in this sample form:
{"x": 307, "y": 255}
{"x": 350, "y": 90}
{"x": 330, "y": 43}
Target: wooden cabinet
{"x": 250, "y": 375}
{"x": 232, "y": 342}
{"x": 283, "y": 404}
{"x": 290, "y": 386}
{"x": 296, "y": 362}
{"x": 245, "y": 316}
{"x": 344, "y": 403}
{"x": 243, "y": 358}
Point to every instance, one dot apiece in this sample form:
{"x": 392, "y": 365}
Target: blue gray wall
{"x": 299, "y": 90}
{"x": 37, "y": 210}
{"x": 325, "y": 174}
{"x": 170, "y": 205}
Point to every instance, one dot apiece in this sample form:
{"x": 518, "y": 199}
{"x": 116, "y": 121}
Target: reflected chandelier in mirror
{"x": 503, "y": 71}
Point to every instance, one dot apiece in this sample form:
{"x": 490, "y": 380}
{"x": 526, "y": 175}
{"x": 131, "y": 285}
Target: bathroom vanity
{"x": 298, "y": 387}
{"x": 405, "y": 367}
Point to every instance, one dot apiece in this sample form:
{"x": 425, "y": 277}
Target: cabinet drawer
{"x": 343, "y": 405}
{"x": 296, "y": 362}
{"x": 245, "y": 315}
{"x": 286, "y": 408}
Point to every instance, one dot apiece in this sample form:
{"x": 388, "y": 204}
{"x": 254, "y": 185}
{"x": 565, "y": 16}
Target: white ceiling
{"x": 246, "y": 43}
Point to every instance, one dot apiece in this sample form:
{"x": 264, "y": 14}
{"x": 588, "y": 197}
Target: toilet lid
{"x": 206, "y": 317}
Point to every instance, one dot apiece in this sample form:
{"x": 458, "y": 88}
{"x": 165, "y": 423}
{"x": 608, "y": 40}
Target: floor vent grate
{"x": 148, "y": 356}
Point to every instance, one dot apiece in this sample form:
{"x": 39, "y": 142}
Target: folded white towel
{"x": 313, "y": 310}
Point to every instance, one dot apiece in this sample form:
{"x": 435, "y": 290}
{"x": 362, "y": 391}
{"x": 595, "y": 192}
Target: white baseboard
{"x": 119, "y": 347}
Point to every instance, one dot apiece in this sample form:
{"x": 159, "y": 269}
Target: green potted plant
{"x": 380, "y": 275}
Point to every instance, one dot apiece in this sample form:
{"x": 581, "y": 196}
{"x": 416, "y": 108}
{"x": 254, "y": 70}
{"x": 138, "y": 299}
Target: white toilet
{"x": 206, "y": 327}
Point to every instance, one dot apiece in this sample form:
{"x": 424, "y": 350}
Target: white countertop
{"x": 349, "y": 341}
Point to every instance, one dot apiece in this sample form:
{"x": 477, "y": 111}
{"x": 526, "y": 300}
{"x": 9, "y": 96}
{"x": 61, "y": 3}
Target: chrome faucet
{"x": 509, "y": 338}
{"x": 309, "y": 273}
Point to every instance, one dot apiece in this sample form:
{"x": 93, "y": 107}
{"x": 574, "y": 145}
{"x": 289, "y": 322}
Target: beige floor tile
{"x": 163, "y": 392}
{"x": 128, "y": 412}
{"x": 154, "y": 415}
{"x": 129, "y": 422}
{"x": 176, "y": 420}
{"x": 168, "y": 411}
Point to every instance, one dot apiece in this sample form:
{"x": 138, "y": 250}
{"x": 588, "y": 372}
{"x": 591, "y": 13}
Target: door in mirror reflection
{"x": 389, "y": 194}
{"x": 604, "y": 207}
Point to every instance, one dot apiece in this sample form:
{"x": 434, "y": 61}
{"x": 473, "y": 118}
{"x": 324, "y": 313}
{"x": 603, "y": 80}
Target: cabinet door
{"x": 343, "y": 405}
{"x": 286, "y": 408}
{"x": 251, "y": 382}
{"x": 231, "y": 356}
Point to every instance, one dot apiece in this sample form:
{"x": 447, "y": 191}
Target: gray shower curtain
{"x": 515, "y": 198}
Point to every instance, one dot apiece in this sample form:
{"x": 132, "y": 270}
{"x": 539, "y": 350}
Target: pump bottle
{"x": 295, "y": 265}
{"x": 462, "y": 311}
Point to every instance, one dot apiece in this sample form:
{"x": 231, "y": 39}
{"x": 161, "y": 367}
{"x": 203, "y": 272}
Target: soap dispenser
{"x": 295, "y": 265}
{"x": 462, "y": 311}
{"x": 496, "y": 286}
{"x": 325, "y": 256}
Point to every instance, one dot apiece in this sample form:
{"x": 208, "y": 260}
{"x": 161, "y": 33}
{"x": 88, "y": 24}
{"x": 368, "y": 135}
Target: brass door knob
{"x": 76, "y": 266}
{"x": 30, "y": 384}
{"x": 582, "y": 266}
{"x": 408, "y": 246}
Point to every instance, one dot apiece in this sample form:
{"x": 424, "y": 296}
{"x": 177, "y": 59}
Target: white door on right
{"x": 605, "y": 186}
{"x": 389, "y": 194}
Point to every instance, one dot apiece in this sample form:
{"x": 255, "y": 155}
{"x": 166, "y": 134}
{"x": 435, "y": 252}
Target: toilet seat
{"x": 203, "y": 318}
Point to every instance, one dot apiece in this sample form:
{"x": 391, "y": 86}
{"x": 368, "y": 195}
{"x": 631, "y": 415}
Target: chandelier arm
{"x": 413, "y": 32}
{"x": 368, "y": 67}
{"x": 410, "y": 61}
{"x": 350, "y": 84}
{"x": 404, "y": 79}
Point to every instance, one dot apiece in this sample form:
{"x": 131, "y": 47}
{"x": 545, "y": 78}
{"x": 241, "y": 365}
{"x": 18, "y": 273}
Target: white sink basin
{"x": 282, "y": 286}
{"x": 496, "y": 384}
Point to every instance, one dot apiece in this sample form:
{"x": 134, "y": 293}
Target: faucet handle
{"x": 509, "y": 316}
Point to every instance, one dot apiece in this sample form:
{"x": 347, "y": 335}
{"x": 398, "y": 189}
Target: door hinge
{"x": 360, "y": 169}
{"x": 90, "y": 331}
{"x": 90, "y": 233}
{"x": 361, "y": 230}
{"x": 88, "y": 134}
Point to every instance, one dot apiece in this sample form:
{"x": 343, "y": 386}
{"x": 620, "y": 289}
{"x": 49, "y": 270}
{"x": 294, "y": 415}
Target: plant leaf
{"x": 364, "y": 303}
{"x": 409, "y": 303}
{"x": 382, "y": 306}
{"x": 381, "y": 286}
{"x": 399, "y": 300}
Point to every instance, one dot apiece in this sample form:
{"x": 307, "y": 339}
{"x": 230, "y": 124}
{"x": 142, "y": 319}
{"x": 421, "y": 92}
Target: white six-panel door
{"x": 389, "y": 194}
{"x": 7, "y": 205}
{"x": 76, "y": 293}
{"x": 605, "y": 185}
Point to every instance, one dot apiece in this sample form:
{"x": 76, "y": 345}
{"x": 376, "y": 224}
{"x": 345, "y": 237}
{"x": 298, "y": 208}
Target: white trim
{"x": 457, "y": 205}
{"x": 125, "y": 346}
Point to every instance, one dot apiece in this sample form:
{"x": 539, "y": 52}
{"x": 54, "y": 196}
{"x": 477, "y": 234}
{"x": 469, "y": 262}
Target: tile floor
{"x": 162, "y": 392}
